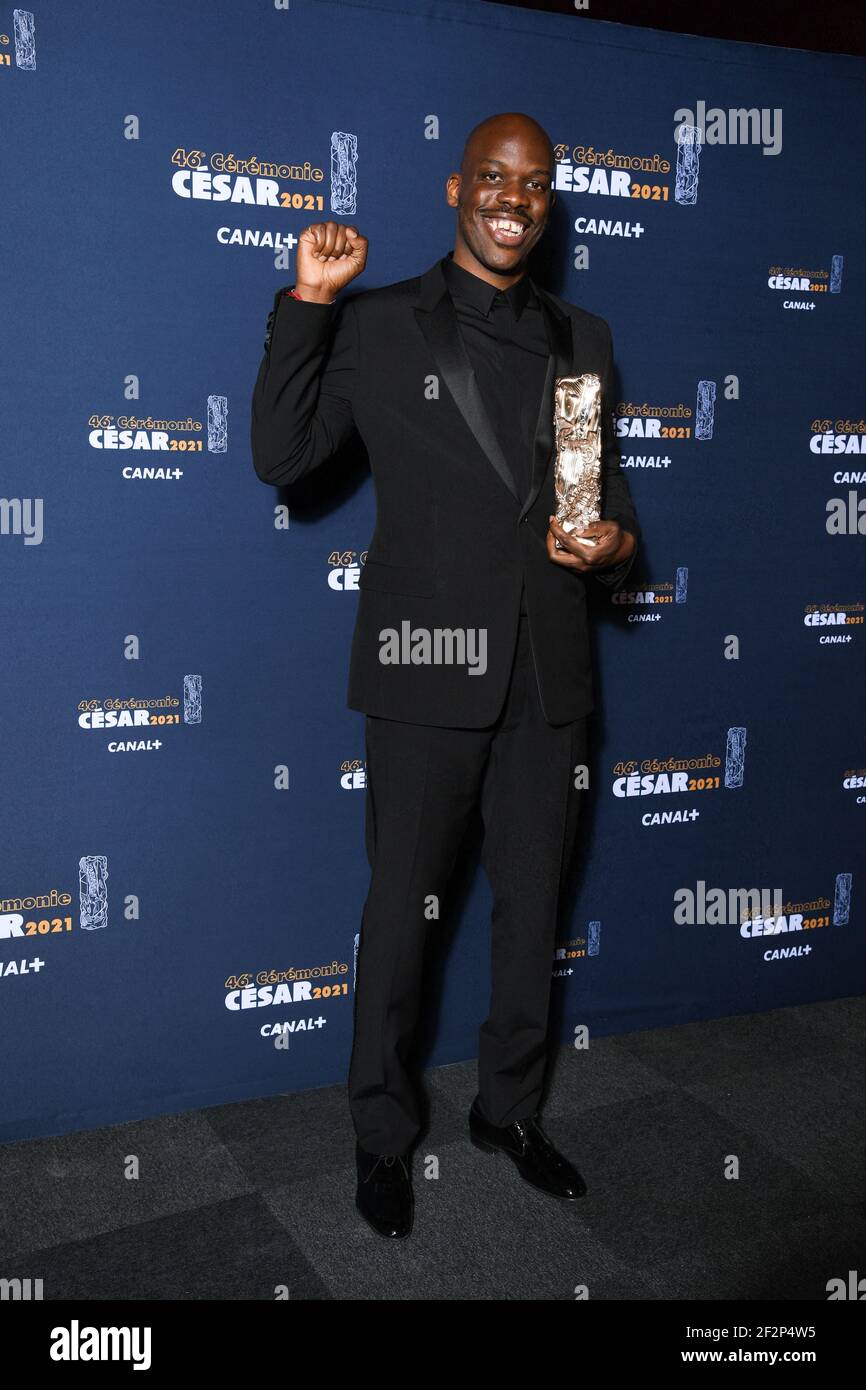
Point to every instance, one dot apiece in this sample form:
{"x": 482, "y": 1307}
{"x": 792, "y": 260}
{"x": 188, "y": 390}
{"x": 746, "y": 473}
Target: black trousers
{"x": 423, "y": 783}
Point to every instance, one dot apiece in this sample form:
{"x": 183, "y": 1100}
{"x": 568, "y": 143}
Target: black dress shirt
{"x": 503, "y": 333}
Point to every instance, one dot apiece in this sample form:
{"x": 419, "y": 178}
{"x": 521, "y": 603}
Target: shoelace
{"x": 389, "y": 1160}
{"x": 523, "y": 1128}
{"x": 542, "y": 1143}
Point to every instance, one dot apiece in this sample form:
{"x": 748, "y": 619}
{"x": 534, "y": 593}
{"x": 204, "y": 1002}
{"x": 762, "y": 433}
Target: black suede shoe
{"x": 384, "y": 1197}
{"x": 531, "y": 1152}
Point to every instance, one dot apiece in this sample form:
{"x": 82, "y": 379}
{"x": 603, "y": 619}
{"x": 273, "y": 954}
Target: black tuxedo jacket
{"x": 453, "y": 540}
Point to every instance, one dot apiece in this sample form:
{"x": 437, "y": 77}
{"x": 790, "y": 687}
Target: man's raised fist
{"x": 328, "y": 257}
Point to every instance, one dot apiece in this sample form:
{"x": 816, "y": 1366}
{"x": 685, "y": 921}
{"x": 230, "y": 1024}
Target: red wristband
{"x": 294, "y": 294}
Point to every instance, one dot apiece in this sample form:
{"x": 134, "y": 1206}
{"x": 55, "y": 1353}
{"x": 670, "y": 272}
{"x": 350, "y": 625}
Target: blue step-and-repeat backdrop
{"x": 183, "y": 867}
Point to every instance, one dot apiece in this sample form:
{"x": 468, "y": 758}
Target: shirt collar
{"x": 480, "y": 292}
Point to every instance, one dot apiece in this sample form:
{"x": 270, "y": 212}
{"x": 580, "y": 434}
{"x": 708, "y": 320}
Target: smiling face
{"x": 503, "y": 196}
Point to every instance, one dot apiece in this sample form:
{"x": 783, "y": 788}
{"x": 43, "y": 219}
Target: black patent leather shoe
{"x": 384, "y": 1197}
{"x": 531, "y": 1152}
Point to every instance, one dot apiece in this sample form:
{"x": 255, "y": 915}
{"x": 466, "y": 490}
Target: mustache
{"x": 511, "y": 216}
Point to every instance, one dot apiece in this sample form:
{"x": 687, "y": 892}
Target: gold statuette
{"x": 577, "y": 471}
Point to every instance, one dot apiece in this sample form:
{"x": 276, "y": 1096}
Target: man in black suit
{"x": 470, "y": 656}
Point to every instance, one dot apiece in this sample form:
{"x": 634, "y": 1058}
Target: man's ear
{"x": 452, "y": 195}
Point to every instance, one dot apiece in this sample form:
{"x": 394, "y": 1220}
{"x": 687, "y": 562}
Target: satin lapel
{"x": 438, "y": 322}
{"x": 560, "y": 363}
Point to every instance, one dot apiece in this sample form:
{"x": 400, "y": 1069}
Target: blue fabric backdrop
{"x": 159, "y": 877}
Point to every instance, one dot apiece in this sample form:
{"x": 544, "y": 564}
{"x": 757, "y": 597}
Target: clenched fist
{"x": 329, "y": 255}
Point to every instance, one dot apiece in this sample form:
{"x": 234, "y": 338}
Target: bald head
{"x": 507, "y": 127}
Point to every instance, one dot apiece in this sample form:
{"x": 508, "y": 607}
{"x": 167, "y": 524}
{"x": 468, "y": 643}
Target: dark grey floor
{"x": 234, "y": 1201}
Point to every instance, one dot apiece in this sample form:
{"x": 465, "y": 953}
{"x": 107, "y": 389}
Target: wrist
{"x": 311, "y": 295}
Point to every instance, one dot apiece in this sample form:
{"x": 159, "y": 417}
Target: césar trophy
{"x": 577, "y": 471}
